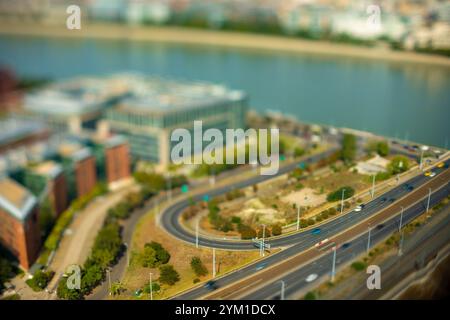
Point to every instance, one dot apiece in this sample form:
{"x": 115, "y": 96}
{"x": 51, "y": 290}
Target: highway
{"x": 305, "y": 240}
{"x": 295, "y": 281}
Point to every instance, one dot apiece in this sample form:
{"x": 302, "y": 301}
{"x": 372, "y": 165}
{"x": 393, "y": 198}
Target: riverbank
{"x": 186, "y": 36}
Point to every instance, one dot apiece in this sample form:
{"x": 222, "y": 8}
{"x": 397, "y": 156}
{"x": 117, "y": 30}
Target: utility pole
{"x": 423, "y": 148}
{"x": 298, "y": 218}
{"x": 401, "y": 219}
{"x": 151, "y": 287}
{"x": 373, "y": 186}
{"x": 333, "y": 268}
{"x": 368, "y": 242}
{"x": 214, "y": 262}
{"x": 342, "y": 200}
{"x": 282, "y": 290}
{"x": 429, "y": 197}
{"x": 109, "y": 280}
{"x": 264, "y": 235}
{"x": 196, "y": 233}
{"x": 400, "y": 248}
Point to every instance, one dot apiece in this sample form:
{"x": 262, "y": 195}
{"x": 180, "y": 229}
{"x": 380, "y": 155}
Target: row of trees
{"x": 105, "y": 252}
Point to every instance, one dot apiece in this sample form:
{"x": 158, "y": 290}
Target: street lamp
{"x": 423, "y": 148}
{"x": 283, "y": 286}
{"x": 151, "y": 287}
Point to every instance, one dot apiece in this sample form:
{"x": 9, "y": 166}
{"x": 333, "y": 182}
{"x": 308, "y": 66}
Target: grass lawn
{"x": 181, "y": 254}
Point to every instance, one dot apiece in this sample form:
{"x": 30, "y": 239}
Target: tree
{"x": 383, "y": 148}
{"x": 247, "y": 232}
{"x": 40, "y": 280}
{"x": 63, "y": 292}
{"x": 276, "y": 230}
{"x": 198, "y": 267}
{"x": 348, "y": 150}
{"x": 155, "y": 287}
{"x": 92, "y": 276}
{"x": 6, "y": 270}
{"x": 264, "y": 232}
{"x": 162, "y": 255}
{"x": 298, "y": 152}
{"x": 148, "y": 257}
{"x": 168, "y": 275}
{"x": 337, "y": 195}
{"x": 398, "y": 164}
{"x": 117, "y": 288}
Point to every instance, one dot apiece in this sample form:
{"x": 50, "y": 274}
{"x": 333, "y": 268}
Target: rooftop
{"x": 149, "y": 94}
{"x": 16, "y": 199}
{"x": 74, "y": 96}
{"x": 15, "y": 129}
{"x": 49, "y": 169}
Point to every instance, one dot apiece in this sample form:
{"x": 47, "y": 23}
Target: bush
{"x": 155, "y": 287}
{"x": 358, "y": 265}
{"x": 276, "y": 230}
{"x": 247, "y": 232}
{"x": 236, "y": 220}
{"x": 6, "y": 271}
{"x": 310, "y": 296}
{"x": 40, "y": 280}
{"x": 63, "y": 292}
{"x": 311, "y": 222}
{"x": 266, "y": 232}
{"x": 148, "y": 257}
{"x": 337, "y": 195}
{"x": 332, "y": 211}
{"x": 196, "y": 280}
{"x": 168, "y": 275}
{"x": 198, "y": 267}
{"x": 304, "y": 223}
{"x": 162, "y": 255}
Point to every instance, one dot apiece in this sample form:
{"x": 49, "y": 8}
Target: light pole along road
{"x": 301, "y": 241}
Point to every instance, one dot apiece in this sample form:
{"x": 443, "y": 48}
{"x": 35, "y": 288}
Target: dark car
{"x": 211, "y": 285}
{"x": 316, "y": 231}
{"x": 408, "y": 187}
{"x": 380, "y": 226}
{"x": 346, "y": 245}
{"x": 384, "y": 199}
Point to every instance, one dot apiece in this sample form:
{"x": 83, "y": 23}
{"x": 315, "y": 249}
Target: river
{"x": 404, "y": 101}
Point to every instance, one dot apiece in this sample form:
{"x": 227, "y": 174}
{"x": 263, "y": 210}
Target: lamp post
{"x": 151, "y": 287}
{"x": 298, "y": 218}
{"x": 423, "y": 149}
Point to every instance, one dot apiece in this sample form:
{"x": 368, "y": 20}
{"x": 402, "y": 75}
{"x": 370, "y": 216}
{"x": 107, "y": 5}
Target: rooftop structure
{"x": 155, "y": 107}
{"x": 15, "y": 199}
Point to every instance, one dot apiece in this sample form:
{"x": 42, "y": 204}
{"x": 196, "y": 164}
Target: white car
{"x": 311, "y": 277}
{"x": 432, "y": 174}
{"x": 359, "y": 208}
{"x": 321, "y": 243}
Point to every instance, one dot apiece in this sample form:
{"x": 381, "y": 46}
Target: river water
{"x": 406, "y": 101}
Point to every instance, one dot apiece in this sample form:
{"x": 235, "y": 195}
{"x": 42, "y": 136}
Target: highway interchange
{"x": 302, "y": 241}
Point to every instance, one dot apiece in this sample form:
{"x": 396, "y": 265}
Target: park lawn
{"x": 181, "y": 253}
{"x": 336, "y": 180}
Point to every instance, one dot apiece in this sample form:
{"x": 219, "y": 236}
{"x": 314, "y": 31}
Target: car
{"x": 408, "y": 187}
{"x": 138, "y": 292}
{"x": 261, "y": 266}
{"x": 440, "y": 165}
{"x": 380, "y": 226}
{"x": 321, "y": 243}
{"x": 430, "y": 174}
{"x": 384, "y": 199}
{"x": 346, "y": 245}
{"x": 316, "y": 231}
{"x": 211, "y": 285}
{"x": 359, "y": 208}
{"x": 311, "y": 277}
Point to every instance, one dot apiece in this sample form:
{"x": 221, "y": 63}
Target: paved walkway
{"x": 79, "y": 237}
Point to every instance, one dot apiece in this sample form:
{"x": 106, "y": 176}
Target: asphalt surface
{"x": 170, "y": 218}
{"x": 296, "y": 280}
{"x": 304, "y": 240}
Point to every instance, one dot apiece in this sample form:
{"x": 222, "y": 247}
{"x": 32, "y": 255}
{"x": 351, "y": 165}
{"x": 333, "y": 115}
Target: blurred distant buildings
{"x": 410, "y": 24}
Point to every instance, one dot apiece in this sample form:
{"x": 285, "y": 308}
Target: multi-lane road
{"x": 348, "y": 226}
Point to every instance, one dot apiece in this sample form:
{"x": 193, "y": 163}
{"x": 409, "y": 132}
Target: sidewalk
{"x": 79, "y": 237}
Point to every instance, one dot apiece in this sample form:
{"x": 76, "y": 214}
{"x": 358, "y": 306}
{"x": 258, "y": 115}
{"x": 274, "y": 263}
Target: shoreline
{"x": 221, "y": 39}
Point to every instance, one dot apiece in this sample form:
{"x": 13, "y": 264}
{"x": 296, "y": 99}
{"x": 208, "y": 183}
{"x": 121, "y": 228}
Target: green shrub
{"x": 358, "y": 265}
{"x": 168, "y": 275}
{"x": 337, "y": 195}
{"x": 276, "y": 230}
{"x": 40, "y": 280}
{"x": 310, "y": 296}
{"x": 247, "y": 232}
{"x": 162, "y": 255}
{"x": 198, "y": 267}
{"x": 155, "y": 287}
